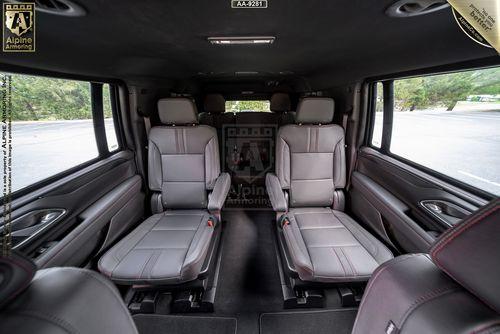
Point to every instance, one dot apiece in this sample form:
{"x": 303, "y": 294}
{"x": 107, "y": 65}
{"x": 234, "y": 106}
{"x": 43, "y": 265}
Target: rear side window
{"x": 52, "y": 127}
{"x": 450, "y": 123}
{"x": 248, "y": 106}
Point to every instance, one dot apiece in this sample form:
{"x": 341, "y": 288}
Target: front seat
{"x": 59, "y": 301}
{"x": 188, "y": 192}
{"x": 454, "y": 290}
{"x": 321, "y": 242}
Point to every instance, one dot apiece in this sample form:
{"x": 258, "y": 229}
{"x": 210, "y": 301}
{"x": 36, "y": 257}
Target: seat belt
{"x": 345, "y": 118}
{"x": 147, "y": 125}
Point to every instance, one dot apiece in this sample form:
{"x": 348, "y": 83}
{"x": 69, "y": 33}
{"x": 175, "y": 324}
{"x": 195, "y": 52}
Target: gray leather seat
{"x": 455, "y": 289}
{"x": 189, "y": 191}
{"x": 59, "y": 300}
{"x": 324, "y": 244}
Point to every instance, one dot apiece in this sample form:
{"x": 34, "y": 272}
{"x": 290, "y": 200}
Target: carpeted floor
{"x": 339, "y": 321}
{"x": 174, "y": 324}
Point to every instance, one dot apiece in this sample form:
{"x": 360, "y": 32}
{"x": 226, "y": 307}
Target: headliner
{"x": 336, "y": 41}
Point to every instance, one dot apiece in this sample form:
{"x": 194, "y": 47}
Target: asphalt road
{"x": 463, "y": 145}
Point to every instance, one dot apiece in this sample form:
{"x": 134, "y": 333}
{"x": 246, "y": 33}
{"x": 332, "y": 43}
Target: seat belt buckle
{"x": 284, "y": 221}
{"x": 210, "y": 222}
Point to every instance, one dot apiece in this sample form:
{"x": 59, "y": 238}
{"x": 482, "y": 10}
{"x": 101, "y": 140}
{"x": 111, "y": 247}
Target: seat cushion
{"x": 167, "y": 248}
{"x": 328, "y": 246}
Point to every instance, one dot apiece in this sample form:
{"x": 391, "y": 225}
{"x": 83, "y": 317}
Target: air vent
{"x": 57, "y": 7}
{"x": 407, "y": 8}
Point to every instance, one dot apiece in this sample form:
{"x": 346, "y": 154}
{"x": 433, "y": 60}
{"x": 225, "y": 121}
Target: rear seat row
{"x": 171, "y": 247}
{"x": 215, "y": 114}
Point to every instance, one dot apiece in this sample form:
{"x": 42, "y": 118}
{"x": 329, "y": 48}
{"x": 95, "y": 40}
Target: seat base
{"x": 321, "y": 245}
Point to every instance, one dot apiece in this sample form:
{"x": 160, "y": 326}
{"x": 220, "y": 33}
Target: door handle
{"x": 446, "y": 212}
{"x": 32, "y": 223}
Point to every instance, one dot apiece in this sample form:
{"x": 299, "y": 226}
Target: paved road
{"x": 463, "y": 145}
{"x": 43, "y": 149}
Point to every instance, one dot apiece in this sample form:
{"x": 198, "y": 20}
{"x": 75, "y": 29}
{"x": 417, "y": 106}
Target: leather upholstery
{"x": 325, "y": 245}
{"x": 455, "y": 290}
{"x": 16, "y": 273}
{"x": 183, "y": 164}
{"x": 310, "y": 163}
{"x": 315, "y": 110}
{"x": 470, "y": 254}
{"x": 177, "y": 110}
{"x": 67, "y": 300}
{"x": 170, "y": 247}
{"x": 276, "y": 193}
{"x": 329, "y": 246}
{"x": 167, "y": 248}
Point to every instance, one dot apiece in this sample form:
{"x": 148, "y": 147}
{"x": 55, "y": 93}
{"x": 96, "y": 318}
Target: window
{"x": 379, "y": 116}
{"x": 109, "y": 121}
{"x": 246, "y": 106}
{"x": 450, "y": 123}
{"x": 52, "y": 127}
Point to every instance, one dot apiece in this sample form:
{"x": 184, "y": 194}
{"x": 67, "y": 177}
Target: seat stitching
{"x": 191, "y": 242}
{"x": 340, "y": 261}
{"x": 349, "y": 261}
{"x": 61, "y": 323}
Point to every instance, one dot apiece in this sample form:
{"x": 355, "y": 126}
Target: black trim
{"x": 98, "y": 119}
{"x": 388, "y": 116}
{"x": 117, "y": 121}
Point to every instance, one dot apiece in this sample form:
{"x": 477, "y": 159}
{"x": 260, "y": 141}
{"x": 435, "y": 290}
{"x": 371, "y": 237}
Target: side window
{"x": 450, "y": 123}
{"x": 379, "y": 116}
{"x": 109, "y": 121}
{"x": 52, "y": 127}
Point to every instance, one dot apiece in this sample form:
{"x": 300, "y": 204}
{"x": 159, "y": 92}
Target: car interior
{"x": 250, "y": 170}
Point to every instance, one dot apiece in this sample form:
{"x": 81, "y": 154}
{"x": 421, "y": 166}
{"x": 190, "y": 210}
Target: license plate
{"x": 249, "y": 4}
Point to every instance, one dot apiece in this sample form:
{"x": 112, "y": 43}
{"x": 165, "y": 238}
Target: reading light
{"x": 241, "y": 40}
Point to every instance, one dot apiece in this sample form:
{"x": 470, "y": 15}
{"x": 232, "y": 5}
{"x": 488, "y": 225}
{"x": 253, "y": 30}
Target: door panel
{"x": 390, "y": 197}
{"x": 72, "y": 219}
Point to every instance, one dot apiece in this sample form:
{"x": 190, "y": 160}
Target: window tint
{"x": 379, "y": 116}
{"x": 52, "y": 127}
{"x": 108, "y": 119}
{"x": 450, "y": 123}
{"x": 247, "y": 106}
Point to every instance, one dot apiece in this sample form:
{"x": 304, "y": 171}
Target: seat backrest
{"x": 281, "y": 106}
{"x": 310, "y": 155}
{"x": 214, "y": 107}
{"x": 183, "y": 156}
{"x": 59, "y": 300}
{"x": 454, "y": 290}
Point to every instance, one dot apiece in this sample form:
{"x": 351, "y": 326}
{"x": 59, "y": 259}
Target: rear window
{"x": 248, "y": 106}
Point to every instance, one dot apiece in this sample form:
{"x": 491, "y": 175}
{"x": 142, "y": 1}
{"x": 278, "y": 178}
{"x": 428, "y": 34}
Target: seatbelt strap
{"x": 345, "y": 118}
{"x": 147, "y": 125}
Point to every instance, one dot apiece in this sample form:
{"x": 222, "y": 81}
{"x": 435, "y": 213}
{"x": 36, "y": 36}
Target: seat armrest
{"x": 276, "y": 193}
{"x": 218, "y": 195}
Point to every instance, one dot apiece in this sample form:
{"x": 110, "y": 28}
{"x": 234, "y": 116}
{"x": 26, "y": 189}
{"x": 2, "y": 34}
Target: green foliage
{"x": 43, "y": 99}
{"x": 238, "y": 106}
{"x": 445, "y": 90}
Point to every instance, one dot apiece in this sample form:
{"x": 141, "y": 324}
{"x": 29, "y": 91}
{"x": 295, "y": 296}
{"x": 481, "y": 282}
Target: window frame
{"x": 102, "y": 155}
{"x": 371, "y": 84}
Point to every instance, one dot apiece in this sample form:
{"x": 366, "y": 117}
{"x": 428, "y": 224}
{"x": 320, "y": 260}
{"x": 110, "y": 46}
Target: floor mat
{"x": 173, "y": 324}
{"x": 314, "y": 322}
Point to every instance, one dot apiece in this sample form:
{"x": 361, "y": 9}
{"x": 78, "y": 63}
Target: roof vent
{"x": 407, "y": 8}
{"x": 56, "y": 7}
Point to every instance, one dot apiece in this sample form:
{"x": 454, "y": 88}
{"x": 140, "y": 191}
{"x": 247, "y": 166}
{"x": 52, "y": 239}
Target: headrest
{"x": 214, "y": 104}
{"x": 315, "y": 110}
{"x": 470, "y": 252}
{"x": 280, "y": 102}
{"x": 16, "y": 273}
{"x": 177, "y": 110}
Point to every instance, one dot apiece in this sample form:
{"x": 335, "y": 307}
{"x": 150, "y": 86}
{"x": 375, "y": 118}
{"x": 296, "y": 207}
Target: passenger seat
{"x": 189, "y": 191}
{"x": 325, "y": 245}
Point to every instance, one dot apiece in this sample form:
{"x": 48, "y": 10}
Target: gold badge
{"x": 19, "y": 27}
{"x": 479, "y": 19}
